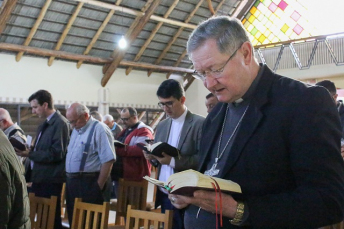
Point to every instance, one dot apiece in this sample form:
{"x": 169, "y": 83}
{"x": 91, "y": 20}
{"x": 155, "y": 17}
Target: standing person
{"x": 48, "y": 154}
{"x": 10, "y": 128}
{"x": 14, "y": 207}
{"x": 182, "y": 129}
{"x": 135, "y": 165}
{"x": 210, "y": 102}
{"x": 89, "y": 160}
{"x": 278, "y": 138}
{"x": 114, "y": 127}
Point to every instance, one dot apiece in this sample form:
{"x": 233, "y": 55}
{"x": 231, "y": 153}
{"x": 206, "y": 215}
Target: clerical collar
{"x": 247, "y": 96}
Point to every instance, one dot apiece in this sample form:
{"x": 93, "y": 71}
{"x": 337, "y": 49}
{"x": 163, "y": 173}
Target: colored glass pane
{"x": 282, "y": 5}
{"x": 272, "y": 7}
{"x": 271, "y": 37}
{"x": 284, "y": 28}
{"x": 295, "y": 16}
{"x": 254, "y": 31}
{"x": 255, "y": 42}
{"x": 243, "y": 21}
{"x": 246, "y": 24}
{"x": 262, "y": 38}
{"x": 257, "y": 3}
{"x": 250, "y": 27}
{"x": 272, "y": 17}
{"x": 255, "y": 23}
{"x": 267, "y": 33}
{"x": 251, "y": 19}
{"x": 253, "y": 10}
{"x": 262, "y": 8}
{"x": 298, "y": 29}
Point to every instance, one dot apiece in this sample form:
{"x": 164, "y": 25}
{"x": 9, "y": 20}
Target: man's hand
{"x": 165, "y": 160}
{"x": 24, "y": 153}
{"x": 206, "y": 200}
{"x": 148, "y": 156}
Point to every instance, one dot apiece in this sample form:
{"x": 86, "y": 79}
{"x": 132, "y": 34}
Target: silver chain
{"x": 223, "y": 127}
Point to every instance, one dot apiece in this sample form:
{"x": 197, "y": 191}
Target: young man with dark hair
{"x": 210, "y": 102}
{"x": 49, "y": 151}
{"x": 182, "y": 129}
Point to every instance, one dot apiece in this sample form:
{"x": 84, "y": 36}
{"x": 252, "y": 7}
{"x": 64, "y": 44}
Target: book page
{"x": 29, "y": 140}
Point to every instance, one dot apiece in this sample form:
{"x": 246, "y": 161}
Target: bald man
{"x": 89, "y": 160}
{"x": 10, "y": 128}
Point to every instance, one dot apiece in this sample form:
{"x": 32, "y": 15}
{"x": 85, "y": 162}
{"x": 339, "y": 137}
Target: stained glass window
{"x": 270, "y": 21}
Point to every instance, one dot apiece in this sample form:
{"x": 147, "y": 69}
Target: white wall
{"x": 18, "y": 80}
{"x": 195, "y": 98}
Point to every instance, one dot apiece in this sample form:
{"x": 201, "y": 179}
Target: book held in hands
{"x": 188, "y": 181}
{"x": 158, "y": 148}
{"x": 17, "y": 144}
{"x": 119, "y": 144}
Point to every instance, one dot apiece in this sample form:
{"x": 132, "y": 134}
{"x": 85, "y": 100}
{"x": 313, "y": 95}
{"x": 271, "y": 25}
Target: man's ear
{"x": 182, "y": 99}
{"x": 247, "y": 50}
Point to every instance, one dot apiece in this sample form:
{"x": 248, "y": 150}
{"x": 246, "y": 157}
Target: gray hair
{"x": 4, "y": 114}
{"x": 229, "y": 34}
{"x": 81, "y": 109}
{"x": 108, "y": 117}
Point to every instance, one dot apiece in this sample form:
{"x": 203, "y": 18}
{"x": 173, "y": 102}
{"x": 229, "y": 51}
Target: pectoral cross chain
{"x": 213, "y": 171}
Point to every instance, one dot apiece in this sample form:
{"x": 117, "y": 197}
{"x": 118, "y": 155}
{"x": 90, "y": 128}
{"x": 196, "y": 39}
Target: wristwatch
{"x": 239, "y": 214}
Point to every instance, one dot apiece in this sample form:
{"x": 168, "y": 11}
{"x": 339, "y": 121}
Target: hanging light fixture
{"x": 122, "y": 43}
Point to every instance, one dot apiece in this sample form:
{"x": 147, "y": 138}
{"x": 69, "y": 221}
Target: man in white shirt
{"x": 182, "y": 129}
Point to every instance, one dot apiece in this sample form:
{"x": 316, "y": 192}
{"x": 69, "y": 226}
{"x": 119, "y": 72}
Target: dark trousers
{"x": 85, "y": 187}
{"x": 47, "y": 190}
{"x": 178, "y": 214}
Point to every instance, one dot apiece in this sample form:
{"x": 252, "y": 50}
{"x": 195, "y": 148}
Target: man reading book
{"x": 278, "y": 138}
{"x": 182, "y": 129}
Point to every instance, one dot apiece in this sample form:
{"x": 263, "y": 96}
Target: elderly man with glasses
{"x": 182, "y": 129}
{"x": 278, "y": 138}
{"x": 135, "y": 166}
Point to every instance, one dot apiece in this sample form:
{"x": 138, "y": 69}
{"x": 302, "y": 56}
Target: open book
{"x": 186, "y": 182}
{"x": 118, "y": 144}
{"x": 17, "y": 144}
{"x": 158, "y": 148}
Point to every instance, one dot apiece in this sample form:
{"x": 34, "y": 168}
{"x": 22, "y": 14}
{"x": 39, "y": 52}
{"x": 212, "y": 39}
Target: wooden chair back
{"x": 138, "y": 218}
{"x": 132, "y": 193}
{"x": 335, "y": 226}
{"x": 90, "y": 216}
{"x": 42, "y": 211}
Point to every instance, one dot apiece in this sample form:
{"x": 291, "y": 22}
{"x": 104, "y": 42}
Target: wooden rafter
{"x": 188, "y": 81}
{"x": 119, "y": 54}
{"x": 138, "y": 13}
{"x": 100, "y": 30}
{"x": 35, "y": 27}
{"x": 176, "y": 35}
{"x": 141, "y": 115}
{"x": 212, "y": 11}
{"x": 66, "y": 31}
{"x": 90, "y": 59}
{"x": 156, "y": 120}
{"x": 7, "y": 9}
{"x": 242, "y": 8}
{"x": 150, "y": 38}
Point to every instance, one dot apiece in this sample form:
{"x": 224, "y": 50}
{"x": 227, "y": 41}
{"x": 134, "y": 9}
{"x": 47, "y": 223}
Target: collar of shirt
{"x": 9, "y": 129}
{"x": 247, "y": 96}
{"x": 181, "y": 118}
{"x": 84, "y": 128}
{"x": 50, "y": 116}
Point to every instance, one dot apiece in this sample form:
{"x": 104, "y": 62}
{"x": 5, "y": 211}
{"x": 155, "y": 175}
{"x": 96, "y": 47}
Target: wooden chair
{"x": 90, "y": 216}
{"x": 335, "y": 226}
{"x": 42, "y": 211}
{"x": 132, "y": 193}
{"x": 137, "y": 218}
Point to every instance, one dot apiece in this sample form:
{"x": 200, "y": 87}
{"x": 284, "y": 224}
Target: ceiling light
{"x": 122, "y": 43}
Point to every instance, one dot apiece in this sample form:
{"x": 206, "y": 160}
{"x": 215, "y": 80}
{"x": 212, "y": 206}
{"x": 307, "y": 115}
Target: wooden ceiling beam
{"x": 66, "y": 31}
{"x": 90, "y": 59}
{"x": 35, "y": 27}
{"x": 156, "y": 120}
{"x": 5, "y": 13}
{"x": 176, "y": 35}
{"x": 150, "y": 38}
{"x": 211, "y": 8}
{"x": 131, "y": 36}
{"x": 138, "y": 13}
{"x": 141, "y": 115}
{"x": 188, "y": 81}
{"x": 242, "y": 8}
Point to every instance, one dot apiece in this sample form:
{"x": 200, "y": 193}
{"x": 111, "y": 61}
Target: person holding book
{"x": 276, "y": 137}
{"x": 47, "y": 156}
{"x": 182, "y": 129}
{"x": 135, "y": 165}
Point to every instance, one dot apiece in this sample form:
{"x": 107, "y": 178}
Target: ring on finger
{"x": 173, "y": 199}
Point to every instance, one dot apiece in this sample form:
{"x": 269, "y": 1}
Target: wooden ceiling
{"x": 87, "y": 31}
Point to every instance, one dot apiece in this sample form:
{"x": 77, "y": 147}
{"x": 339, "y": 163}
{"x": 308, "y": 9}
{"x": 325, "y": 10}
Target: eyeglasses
{"x": 216, "y": 73}
{"x": 73, "y": 122}
{"x": 125, "y": 119}
{"x": 168, "y": 104}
